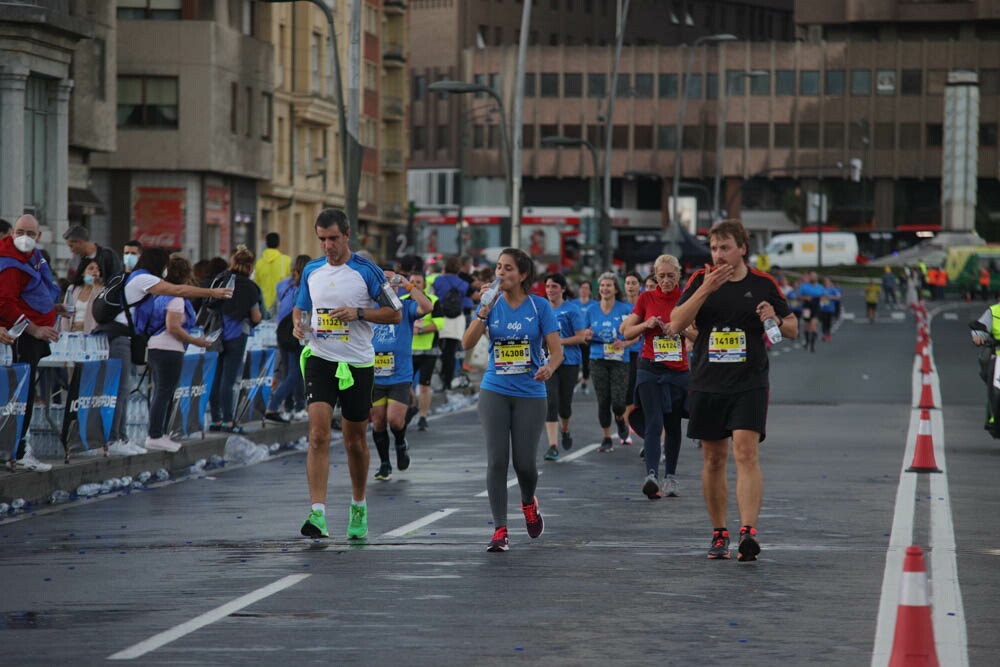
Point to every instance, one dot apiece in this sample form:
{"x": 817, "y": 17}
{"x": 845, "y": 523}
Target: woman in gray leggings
{"x": 512, "y": 401}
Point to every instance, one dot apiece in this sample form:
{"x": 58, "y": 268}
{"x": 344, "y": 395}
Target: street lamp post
{"x": 720, "y": 142}
{"x": 595, "y": 197}
{"x": 462, "y": 88}
{"x": 723, "y": 37}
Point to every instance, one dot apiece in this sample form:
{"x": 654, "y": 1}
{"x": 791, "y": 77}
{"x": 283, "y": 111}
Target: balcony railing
{"x": 392, "y": 159}
{"x": 395, "y": 7}
{"x": 392, "y": 107}
{"x": 392, "y": 52}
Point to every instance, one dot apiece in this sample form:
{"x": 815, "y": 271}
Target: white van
{"x": 799, "y": 250}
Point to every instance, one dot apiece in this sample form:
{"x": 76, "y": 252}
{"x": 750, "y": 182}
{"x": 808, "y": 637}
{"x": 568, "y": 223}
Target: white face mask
{"x": 24, "y": 243}
{"x": 130, "y": 261}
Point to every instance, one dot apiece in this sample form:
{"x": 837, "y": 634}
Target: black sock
{"x": 399, "y": 436}
{"x": 381, "y": 439}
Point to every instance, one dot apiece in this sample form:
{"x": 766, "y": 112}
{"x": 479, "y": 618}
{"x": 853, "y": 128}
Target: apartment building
{"x": 53, "y": 97}
{"x": 194, "y": 87}
{"x": 308, "y": 173}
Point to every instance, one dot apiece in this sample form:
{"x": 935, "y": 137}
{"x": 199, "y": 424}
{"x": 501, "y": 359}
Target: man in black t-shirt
{"x": 728, "y": 302}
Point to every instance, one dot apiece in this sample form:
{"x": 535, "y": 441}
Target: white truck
{"x": 801, "y": 250}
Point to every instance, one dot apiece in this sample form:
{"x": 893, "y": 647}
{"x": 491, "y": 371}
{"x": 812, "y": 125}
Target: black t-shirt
{"x": 729, "y": 354}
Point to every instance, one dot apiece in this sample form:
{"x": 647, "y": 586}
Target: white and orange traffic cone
{"x": 913, "y": 643}
{"x": 926, "y": 394}
{"x": 923, "y": 452}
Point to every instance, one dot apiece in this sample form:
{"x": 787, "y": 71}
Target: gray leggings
{"x": 513, "y": 425}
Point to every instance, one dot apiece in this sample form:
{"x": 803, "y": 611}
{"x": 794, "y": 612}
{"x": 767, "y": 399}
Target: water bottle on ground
{"x": 772, "y": 330}
{"x": 18, "y": 504}
{"x": 59, "y": 497}
{"x": 88, "y": 490}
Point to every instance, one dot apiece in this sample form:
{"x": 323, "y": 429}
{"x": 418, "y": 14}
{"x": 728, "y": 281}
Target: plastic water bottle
{"x": 398, "y": 280}
{"x": 304, "y": 321}
{"x": 489, "y": 295}
{"x": 4, "y": 509}
{"x": 772, "y": 330}
{"x": 88, "y": 490}
{"x": 231, "y": 284}
{"x": 59, "y": 497}
{"x": 143, "y": 477}
{"x": 18, "y": 504}
{"x": 162, "y": 475}
{"x": 390, "y": 293}
{"x": 19, "y": 326}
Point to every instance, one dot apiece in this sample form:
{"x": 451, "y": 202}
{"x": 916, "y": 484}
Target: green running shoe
{"x": 315, "y": 525}
{"x": 357, "y": 527}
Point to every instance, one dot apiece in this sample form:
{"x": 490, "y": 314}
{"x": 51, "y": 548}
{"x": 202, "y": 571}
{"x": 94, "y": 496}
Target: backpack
{"x": 451, "y": 303}
{"x": 108, "y": 304}
{"x": 209, "y": 317}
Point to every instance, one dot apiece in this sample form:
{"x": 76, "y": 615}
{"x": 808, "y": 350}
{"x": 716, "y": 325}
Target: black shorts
{"x": 398, "y": 393}
{"x": 716, "y": 416}
{"x": 424, "y": 365}
{"x": 322, "y": 386}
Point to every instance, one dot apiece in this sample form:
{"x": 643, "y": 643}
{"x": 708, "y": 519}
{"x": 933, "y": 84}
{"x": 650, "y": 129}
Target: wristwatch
{"x": 361, "y": 313}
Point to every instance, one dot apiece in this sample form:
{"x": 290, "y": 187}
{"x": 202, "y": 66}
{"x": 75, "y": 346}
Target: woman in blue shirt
{"x": 292, "y": 387}
{"x": 609, "y": 357}
{"x": 512, "y": 394}
{"x": 559, "y": 388}
{"x": 586, "y": 302}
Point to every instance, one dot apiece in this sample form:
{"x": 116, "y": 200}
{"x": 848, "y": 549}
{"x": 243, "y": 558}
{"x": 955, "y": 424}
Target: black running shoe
{"x": 623, "y": 433}
{"x": 720, "y": 545}
{"x": 384, "y": 473}
{"x": 403, "y": 455}
{"x": 651, "y": 487}
{"x": 606, "y": 446}
{"x": 422, "y": 424}
{"x": 552, "y": 454}
{"x": 567, "y": 441}
{"x": 749, "y": 546}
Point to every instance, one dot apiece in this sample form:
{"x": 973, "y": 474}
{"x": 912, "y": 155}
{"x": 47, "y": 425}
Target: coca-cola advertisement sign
{"x": 158, "y": 216}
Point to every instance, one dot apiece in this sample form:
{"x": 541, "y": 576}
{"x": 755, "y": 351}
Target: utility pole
{"x": 518, "y": 114}
{"x": 621, "y": 19}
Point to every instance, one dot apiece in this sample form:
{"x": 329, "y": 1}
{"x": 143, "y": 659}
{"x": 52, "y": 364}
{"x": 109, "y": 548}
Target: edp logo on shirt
{"x": 513, "y": 326}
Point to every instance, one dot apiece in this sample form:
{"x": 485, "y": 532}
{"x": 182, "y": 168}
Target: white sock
{"x": 319, "y": 507}
{"x": 359, "y": 504}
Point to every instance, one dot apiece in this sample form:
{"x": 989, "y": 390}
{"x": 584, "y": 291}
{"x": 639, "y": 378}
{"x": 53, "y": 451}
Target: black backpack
{"x": 451, "y": 303}
{"x": 109, "y": 302}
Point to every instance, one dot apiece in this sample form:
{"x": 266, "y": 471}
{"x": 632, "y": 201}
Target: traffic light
{"x": 856, "y": 169}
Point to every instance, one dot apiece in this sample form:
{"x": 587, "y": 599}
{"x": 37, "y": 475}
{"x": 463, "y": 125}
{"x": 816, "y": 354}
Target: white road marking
{"x": 950, "y": 316}
{"x": 420, "y": 523}
{"x": 178, "y": 631}
{"x": 510, "y": 482}
{"x": 578, "y": 453}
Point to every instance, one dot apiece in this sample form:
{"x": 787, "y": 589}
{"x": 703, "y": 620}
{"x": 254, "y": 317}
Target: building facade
{"x": 308, "y": 173}
{"x": 193, "y": 103}
{"x": 39, "y": 44}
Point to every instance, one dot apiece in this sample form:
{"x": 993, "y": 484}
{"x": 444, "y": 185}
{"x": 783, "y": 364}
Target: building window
{"x": 619, "y": 137}
{"x": 234, "y": 107}
{"x": 833, "y": 135}
{"x": 809, "y": 82}
{"x": 550, "y": 85}
{"x": 693, "y": 88}
{"x": 37, "y": 140}
{"x": 834, "y": 85}
{"x": 528, "y": 136}
{"x": 572, "y": 85}
{"x": 760, "y": 135}
{"x": 101, "y": 68}
{"x": 149, "y": 10}
{"x": 734, "y": 82}
{"x": 314, "y": 54}
{"x": 784, "y": 135}
{"x": 643, "y": 85}
{"x": 529, "y": 84}
{"x": 642, "y": 137}
{"x": 548, "y": 131}
{"x": 734, "y": 135}
{"x": 884, "y": 136}
{"x": 147, "y": 101}
{"x": 808, "y": 135}
{"x": 909, "y": 136}
{"x": 911, "y": 82}
{"x": 596, "y": 86}
{"x": 784, "y": 82}
{"x": 861, "y": 82}
{"x": 419, "y": 138}
{"x": 668, "y": 86}
{"x": 692, "y": 137}
{"x": 712, "y": 86}
{"x": 885, "y": 82}
{"x": 935, "y": 135}
{"x": 989, "y": 81}
{"x": 988, "y": 135}
{"x": 479, "y": 136}
{"x": 623, "y": 85}
{"x": 267, "y": 115}
{"x": 666, "y": 137}
{"x": 419, "y": 88}
{"x": 442, "y": 140}
{"x": 249, "y": 125}
{"x": 760, "y": 85}
{"x": 937, "y": 79}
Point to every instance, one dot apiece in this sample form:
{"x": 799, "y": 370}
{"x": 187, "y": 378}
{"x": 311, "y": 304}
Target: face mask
{"x": 130, "y": 261}
{"x": 88, "y": 280}
{"x": 24, "y": 243}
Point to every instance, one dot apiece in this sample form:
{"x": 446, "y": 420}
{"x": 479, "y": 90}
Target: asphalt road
{"x": 211, "y": 570}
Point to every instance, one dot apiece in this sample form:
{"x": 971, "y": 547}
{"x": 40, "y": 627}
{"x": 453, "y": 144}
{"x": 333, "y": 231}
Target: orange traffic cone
{"x": 923, "y": 453}
{"x": 913, "y": 643}
{"x": 926, "y": 394}
{"x": 925, "y": 364}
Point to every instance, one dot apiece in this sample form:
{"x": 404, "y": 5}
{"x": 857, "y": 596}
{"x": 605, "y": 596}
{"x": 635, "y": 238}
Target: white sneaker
{"x": 300, "y": 415}
{"x": 124, "y": 448}
{"x": 135, "y": 447}
{"x": 29, "y": 462}
{"x": 164, "y": 444}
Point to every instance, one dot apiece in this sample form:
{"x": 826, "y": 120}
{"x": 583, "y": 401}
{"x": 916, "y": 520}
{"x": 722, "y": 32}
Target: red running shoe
{"x": 500, "y": 541}
{"x": 532, "y": 519}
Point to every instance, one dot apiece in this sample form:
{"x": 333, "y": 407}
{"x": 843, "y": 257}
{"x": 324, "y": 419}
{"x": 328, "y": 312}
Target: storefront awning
{"x": 83, "y": 201}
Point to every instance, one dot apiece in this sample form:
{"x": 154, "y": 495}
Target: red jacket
{"x": 13, "y": 282}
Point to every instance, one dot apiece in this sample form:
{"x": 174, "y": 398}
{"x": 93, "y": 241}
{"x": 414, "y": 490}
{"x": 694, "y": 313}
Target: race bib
{"x": 667, "y": 348}
{"x": 824, "y": 301}
{"x": 328, "y": 326}
{"x": 727, "y": 347}
{"x": 512, "y": 357}
{"x": 611, "y": 353}
{"x": 807, "y": 313}
{"x": 385, "y": 364}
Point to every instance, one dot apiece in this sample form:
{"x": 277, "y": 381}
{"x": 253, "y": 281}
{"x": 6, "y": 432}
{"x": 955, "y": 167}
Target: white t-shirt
{"x": 135, "y": 289}
{"x": 166, "y": 340}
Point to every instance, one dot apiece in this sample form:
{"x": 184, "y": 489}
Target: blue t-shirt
{"x": 585, "y": 308}
{"x": 571, "y": 320}
{"x": 393, "y": 345}
{"x": 809, "y": 294}
{"x": 828, "y": 302}
{"x": 517, "y": 339}
{"x": 606, "y": 330}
